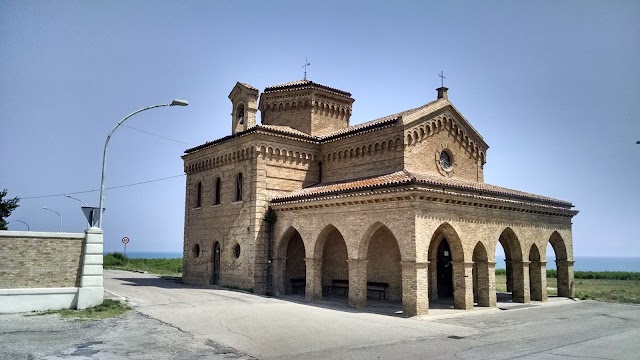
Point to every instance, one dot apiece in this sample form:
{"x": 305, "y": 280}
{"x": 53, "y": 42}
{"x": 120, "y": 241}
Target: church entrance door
{"x": 445, "y": 270}
{"x": 216, "y": 263}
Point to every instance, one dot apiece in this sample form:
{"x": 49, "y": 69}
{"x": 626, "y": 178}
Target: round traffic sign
{"x": 125, "y": 240}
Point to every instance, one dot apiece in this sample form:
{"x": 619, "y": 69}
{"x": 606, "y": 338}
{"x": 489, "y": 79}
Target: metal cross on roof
{"x": 442, "y": 77}
{"x": 306, "y": 63}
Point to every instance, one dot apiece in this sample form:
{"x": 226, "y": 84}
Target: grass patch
{"x": 167, "y": 267}
{"x": 602, "y": 289}
{"x": 108, "y": 309}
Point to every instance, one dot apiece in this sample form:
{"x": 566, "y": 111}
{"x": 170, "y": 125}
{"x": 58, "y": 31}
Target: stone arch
{"x": 483, "y": 293}
{"x": 289, "y": 262}
{"x": 381, "y": 249}
{"x": 216, "y": 250}
{"x": 514, "y": 266}
{"x": 446, "y": 266}
{"x": 330, "y": 255}
{"x": 537, "y": 277}
{"x": 564, "y": 267}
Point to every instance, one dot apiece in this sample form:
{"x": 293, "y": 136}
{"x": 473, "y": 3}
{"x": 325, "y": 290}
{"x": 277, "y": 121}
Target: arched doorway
{"x": 481, "y": 274}
{"x": 515, "y": 280}
{"x": 447, "y": 270}
{"x": 215, "y": 254}
{"x": 294, "y": 270}
{"x": 444, "y": 266}
{"x": 564, "y": 267}
{"x": 384, "y": 273}
{"x": 537, "y": 279}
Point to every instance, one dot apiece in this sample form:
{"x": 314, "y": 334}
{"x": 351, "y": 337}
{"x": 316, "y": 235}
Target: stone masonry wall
{"x": 38, "y": 262}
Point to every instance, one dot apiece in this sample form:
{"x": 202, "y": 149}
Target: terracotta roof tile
{"x": 303, "y": 84}
{"x": 405, "y": 177}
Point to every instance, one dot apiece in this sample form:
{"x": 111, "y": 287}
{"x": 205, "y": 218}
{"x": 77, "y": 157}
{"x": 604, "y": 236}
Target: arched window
{"x": 199, "y": 194}
{"x": 240, "y": 113}
{"x": 239, "y": 187}
{"x": 216, "y": 194}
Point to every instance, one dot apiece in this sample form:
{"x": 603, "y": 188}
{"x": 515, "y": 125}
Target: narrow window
{"x": 240, "y": 114}
{"x": 239, "y": 187}
{"x": 216, "y": 195}
{"x": 320, "y": 172}
{"x": 199, "y": 195}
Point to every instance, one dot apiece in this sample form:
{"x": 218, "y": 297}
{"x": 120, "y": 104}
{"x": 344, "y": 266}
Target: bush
{"x": 115, "y": 259}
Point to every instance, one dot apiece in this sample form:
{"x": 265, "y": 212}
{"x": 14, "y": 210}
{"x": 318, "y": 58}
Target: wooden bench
{"x": 339, "y": 284}
{"x": 379, "y": 287}
{"x": 299, "y": 283}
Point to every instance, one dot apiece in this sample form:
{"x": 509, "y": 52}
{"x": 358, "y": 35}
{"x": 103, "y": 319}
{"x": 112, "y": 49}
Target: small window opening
{"x": 239, "y": 187}
{"x": 240, "y": 114}
{"x": 236, "y": 250}
{"x": 199, "y": 195}
{"x": 196, "y": 250}
{"x": 216, "y": 195}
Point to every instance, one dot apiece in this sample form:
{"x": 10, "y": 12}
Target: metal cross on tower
{"x": 442, "y": 77}
{"x": 306, "y": 63}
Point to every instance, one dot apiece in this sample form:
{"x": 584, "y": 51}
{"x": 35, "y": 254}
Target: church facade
{"x": 394, "y": 208}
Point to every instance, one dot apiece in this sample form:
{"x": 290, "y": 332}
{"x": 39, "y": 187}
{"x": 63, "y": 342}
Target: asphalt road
{"x": 176, "y": 321}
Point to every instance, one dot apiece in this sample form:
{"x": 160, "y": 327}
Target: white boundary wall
{"x": 90, "y": 292}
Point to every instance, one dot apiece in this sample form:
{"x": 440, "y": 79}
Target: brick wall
{"x": 40, "y": 262}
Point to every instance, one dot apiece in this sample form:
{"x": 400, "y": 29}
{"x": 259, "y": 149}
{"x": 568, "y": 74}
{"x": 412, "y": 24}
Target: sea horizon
{"x": 581, "y": 263}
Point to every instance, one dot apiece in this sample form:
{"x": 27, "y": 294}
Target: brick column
{"x": 277, "y": 273}
{"x": 357, "y": 283}
{"x": 433, "y": 280}
{"x": 491, "y": 268}
{"x": 463, "y": 285}
{"x": 565, "y": 278}
{"x": 538, "y": 280}
{"x": 483, "y": 282}
{"x": 520, "y": 271}
{"x": 508, "y": 274}
{"x": 313, "y": 291}
{"x": 415, "y": 294}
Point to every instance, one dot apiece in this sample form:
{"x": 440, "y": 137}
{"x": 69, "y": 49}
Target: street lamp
{"x": 71, "y": 197}
{"x": 20, "y": 221}
{"x": 60, "y": 216}
{"x": 175, "y": 102}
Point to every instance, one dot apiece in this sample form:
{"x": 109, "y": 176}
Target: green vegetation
{"x": 167, "y": 267}
{"x": 108, "y": 309}
{"x": 6, "y": 207}
{"x": 612, "y": 286}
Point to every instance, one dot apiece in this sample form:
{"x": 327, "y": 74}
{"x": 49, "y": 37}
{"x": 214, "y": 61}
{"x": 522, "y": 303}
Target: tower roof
{"x": 303, "y": 84}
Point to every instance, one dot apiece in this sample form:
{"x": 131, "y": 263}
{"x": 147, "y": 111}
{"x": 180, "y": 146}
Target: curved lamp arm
{"x": 175, "y": 102}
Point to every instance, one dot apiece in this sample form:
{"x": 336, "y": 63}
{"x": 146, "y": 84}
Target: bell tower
{"x": 244, "y": 102}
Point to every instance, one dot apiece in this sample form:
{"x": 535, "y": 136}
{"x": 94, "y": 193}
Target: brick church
{"x": 395, "y": 208}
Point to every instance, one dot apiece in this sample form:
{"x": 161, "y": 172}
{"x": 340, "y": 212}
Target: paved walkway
{"x": 291, "y": 328}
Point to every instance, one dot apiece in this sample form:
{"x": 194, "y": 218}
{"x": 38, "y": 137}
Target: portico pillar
{"x": 357, "y": 283}
{"x": 482, "y": 282}
{"x": 565, "y": 278}
{"x": 491, "y": 267}
{"x": 313, "y": 290}
{"x": 415, "y": 294}
{"x": 520, "y": 271}
{"x": 538, "y": 283}
{"x": 508, "y": 271}
{"x": 278, "y": 266}
{"x": 463, "y": 285}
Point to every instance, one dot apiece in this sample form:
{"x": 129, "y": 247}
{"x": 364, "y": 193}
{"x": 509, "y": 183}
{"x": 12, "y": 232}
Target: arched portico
{"x": 517, "y": 270}
{"x": 564, "y": 266}
{"x": 448, "y": 273}
{"x": 329, "y": 262}
{"x": 289, "y": 262}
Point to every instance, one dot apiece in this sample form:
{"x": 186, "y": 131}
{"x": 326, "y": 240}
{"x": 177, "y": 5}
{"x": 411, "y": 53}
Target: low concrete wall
{"x": 50, "y": 271}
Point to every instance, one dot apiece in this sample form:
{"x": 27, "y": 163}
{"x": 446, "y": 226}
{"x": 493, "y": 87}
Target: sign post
{"x": 125, "y": 241}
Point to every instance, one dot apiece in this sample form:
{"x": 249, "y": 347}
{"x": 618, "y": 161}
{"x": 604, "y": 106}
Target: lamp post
{"x": 60, "y": 216}
{"x": 20, "y": 221}
{"x": 175, "y": 102}
{"x": 71, "y": 197}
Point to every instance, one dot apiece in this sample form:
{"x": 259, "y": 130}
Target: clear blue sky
{"x": 553, "y": 86}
